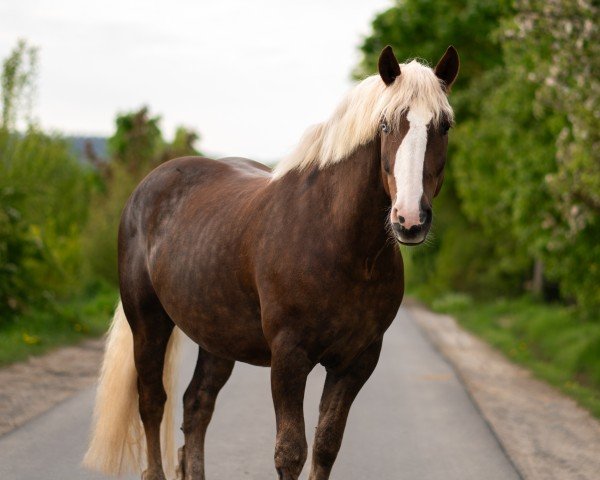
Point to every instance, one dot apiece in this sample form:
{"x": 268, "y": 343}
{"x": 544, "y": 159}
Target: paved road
{"x": 413, "y": 420}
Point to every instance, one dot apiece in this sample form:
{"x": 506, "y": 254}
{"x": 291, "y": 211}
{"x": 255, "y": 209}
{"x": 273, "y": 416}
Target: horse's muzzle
{"x": 413, "y": 235}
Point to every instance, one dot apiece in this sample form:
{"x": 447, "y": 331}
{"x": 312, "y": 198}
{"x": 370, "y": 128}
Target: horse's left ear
{"x": 447, "y": 68}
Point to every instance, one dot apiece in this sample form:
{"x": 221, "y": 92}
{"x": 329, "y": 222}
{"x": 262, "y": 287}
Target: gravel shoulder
{"x": 30, "y": 388}
{"x": 545, "y": 433}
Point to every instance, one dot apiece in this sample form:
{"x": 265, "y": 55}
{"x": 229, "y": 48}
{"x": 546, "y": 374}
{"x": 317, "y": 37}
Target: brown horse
{"x": 286, "y": 269}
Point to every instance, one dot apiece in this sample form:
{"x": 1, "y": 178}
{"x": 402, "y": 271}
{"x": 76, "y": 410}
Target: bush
{"x": 44, "y": 200}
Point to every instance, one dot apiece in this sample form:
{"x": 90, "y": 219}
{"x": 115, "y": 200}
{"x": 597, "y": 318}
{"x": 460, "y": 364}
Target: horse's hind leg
{"x": 210, "y": 375}
{"x": 151, "y": 328}
{"x": 338, "y": 394}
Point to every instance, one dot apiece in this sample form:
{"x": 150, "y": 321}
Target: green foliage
{"x": 539, "y": 187}
{"x": 18, "y": 249}
{"x": 182, "y": 144}
{"x": 558, "y": 42}
{"x": 137, "y": 140}
{"x": 39, "y": 329}
{"x": 100, "y": 236}
{"x": 523, "y": 179}
{"x": 18, "y": 84}
{"x": 44, "y": 197}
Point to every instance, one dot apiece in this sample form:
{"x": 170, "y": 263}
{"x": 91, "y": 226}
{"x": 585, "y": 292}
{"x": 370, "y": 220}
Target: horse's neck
{"x": 347, "y": 200}
{"x": 358, "y": 200}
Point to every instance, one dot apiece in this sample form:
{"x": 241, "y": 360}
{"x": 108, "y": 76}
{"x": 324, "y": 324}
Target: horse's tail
{"x": 117, "y": 444}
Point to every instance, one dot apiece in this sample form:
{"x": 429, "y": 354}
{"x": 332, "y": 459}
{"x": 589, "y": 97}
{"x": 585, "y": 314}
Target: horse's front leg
{"x": 289, "y": 368}
{"x": 338, "y": 394}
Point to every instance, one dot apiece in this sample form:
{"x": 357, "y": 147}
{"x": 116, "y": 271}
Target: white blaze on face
{"x": 408, "y": 169}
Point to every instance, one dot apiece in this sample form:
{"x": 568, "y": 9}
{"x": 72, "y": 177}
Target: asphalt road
{"x": 413, "y": 420}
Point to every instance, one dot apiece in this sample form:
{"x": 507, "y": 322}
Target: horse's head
{"x": 414, "y": 140}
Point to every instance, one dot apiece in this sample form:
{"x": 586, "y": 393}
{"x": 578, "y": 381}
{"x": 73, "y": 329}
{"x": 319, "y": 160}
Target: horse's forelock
{"x": 356, "y": 119}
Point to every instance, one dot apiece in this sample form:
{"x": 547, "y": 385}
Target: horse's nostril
{"x": 401, "y": 219}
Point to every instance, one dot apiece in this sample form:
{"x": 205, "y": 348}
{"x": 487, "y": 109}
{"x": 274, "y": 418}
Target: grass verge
{"x": 60, "y": 323}
{"x": 556, "y": 343}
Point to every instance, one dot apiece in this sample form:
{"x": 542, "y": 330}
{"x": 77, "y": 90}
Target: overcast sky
{"x": 250, "y": 75}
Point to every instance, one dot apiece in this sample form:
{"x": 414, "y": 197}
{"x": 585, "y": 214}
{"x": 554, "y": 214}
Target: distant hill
{"x": 98, "y": 145}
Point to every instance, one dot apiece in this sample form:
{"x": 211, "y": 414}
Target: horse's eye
{"x": 385, "y": 127}
{"x": 445, "y": 127}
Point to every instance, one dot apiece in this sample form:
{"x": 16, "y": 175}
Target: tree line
{"x": 59, "y": 214}
{"x": 519, "y": 211}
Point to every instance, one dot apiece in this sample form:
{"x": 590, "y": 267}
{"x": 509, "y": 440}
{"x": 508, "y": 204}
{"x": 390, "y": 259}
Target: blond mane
{"x": 356, "y": 120}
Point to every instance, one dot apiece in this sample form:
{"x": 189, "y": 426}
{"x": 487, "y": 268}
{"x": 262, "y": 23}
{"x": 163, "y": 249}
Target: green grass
{"x": 554, "y": 341}
{"x": 61, "y": 323}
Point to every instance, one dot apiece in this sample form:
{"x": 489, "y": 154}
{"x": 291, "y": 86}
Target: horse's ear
{"x": 388, "y": 66}
{"x": 447, "y": 68}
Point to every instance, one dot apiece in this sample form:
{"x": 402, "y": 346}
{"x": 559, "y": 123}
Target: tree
{"x": 19, "y": 71}
{"x": 44, "y": 196}
{"x": 558, "y": 43}
{"x": 137, "y": 141}
{"x": 183, "y": 144}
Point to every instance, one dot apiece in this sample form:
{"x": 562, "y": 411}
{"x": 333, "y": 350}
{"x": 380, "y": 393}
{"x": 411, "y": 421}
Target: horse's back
{"x": 193, "y": 172}
{"x": 183, "y": 185}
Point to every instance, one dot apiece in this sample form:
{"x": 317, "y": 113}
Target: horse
{"x": 287, "y": 268}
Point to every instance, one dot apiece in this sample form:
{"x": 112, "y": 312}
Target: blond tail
{"x": 117, "y": 444}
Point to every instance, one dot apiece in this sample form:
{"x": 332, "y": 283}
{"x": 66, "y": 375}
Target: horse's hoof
{"x": 148, "y": 475}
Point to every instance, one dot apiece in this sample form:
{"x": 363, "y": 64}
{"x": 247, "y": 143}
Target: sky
{"x": 249, "y": 75}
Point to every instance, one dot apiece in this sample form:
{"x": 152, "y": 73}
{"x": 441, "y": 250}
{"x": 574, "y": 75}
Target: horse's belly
{"x": 198, "y": 279}
{"x": 214, "y": 310}
{"x": 226, "y": 332}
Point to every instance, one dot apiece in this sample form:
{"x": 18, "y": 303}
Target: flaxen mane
{"x": 357, "y": 118}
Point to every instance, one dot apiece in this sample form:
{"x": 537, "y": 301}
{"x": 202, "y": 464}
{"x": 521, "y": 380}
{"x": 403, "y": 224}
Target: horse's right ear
{"x": 388, "y": 66}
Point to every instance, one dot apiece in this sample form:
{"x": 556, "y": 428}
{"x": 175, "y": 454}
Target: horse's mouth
{"x": 410, "y": 237}
{"x": 411, "y": 243}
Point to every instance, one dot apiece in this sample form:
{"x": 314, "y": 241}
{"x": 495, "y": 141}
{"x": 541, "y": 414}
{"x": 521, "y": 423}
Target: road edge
{"x": 544, "y": 433}
{"x": 32, "y": 387}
